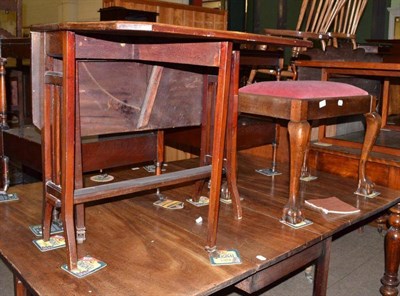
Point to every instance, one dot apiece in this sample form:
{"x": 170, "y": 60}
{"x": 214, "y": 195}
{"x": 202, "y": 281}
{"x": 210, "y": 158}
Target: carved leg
{"x": 298, "y": 137}
{"x": 390, "y": 279}
{"x": 365, "y": 186}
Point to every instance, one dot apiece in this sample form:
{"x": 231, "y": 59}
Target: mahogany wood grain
{"x": 150, "y": 250}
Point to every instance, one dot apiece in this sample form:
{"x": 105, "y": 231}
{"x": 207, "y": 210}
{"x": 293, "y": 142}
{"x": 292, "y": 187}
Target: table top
{"x": 153, "y": 251}
{"x": 168, "y": 31}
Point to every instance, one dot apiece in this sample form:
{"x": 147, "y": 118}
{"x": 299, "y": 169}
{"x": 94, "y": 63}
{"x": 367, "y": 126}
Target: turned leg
{"x": 3, "y": 124}
{"x": 365, "y": 186}
{"x": 298, "y": 137}
{"x": 3, "y": 99}
{"x": 390, "y": 279}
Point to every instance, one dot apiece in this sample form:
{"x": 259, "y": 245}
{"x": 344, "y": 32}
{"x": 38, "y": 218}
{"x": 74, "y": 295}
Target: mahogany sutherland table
{"x": 99, "y": 78}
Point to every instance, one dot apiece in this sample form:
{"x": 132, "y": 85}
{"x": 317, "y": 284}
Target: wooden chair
{"x": 300, "y": 102}
{"x": 314, "y": 22}
{"x": 346, "y": 22}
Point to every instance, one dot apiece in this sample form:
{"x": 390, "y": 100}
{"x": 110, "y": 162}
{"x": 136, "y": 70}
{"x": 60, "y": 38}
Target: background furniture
{"x": 346, "y": 22}
{"x": 177, "y": 14}
{"x": 314, "y": 21}
{"x": 12, "y": 6}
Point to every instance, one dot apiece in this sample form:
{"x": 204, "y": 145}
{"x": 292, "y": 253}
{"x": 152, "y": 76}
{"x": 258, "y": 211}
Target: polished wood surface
{"x": 205, "y": 54}
{"x": 155, "y": 251}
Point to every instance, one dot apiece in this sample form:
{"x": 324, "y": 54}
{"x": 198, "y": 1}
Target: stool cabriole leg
{"x": 298, "y": 137}
{"x": 373, "y": 120}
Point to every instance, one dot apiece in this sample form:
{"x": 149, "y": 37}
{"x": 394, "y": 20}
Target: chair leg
{"x": 298, "y": 137}
{"x": 365, "y": 186}
{"x": 252, "y": 75}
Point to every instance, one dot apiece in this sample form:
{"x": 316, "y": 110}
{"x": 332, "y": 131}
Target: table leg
{"x": 231, "y": 138}
{"x": 68, "y": 148}
{"x": 365, "y": 186}
{"x": 3, "y": 98}
{"x": 3, "y": 125}
{"x": 390, "y": 279}
{"x": 298, "y": 136}
{"x": 322, "y": 269}
{"x": 210, "y": 84}
{"x": 19, "y": 288}
{"x": 220, "y": 117}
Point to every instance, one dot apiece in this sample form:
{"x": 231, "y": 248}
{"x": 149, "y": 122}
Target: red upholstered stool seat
{"x": 303, "y": 89}
{"x": 301, "y": 101}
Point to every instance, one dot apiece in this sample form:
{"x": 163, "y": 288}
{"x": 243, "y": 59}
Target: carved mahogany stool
{"x": 300, "y": 102}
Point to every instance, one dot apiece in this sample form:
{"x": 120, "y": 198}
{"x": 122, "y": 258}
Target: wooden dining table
{"x": 118, "y": 77}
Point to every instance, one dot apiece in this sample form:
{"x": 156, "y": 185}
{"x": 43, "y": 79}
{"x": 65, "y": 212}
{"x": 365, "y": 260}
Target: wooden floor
{"x": 153, "y": 251}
